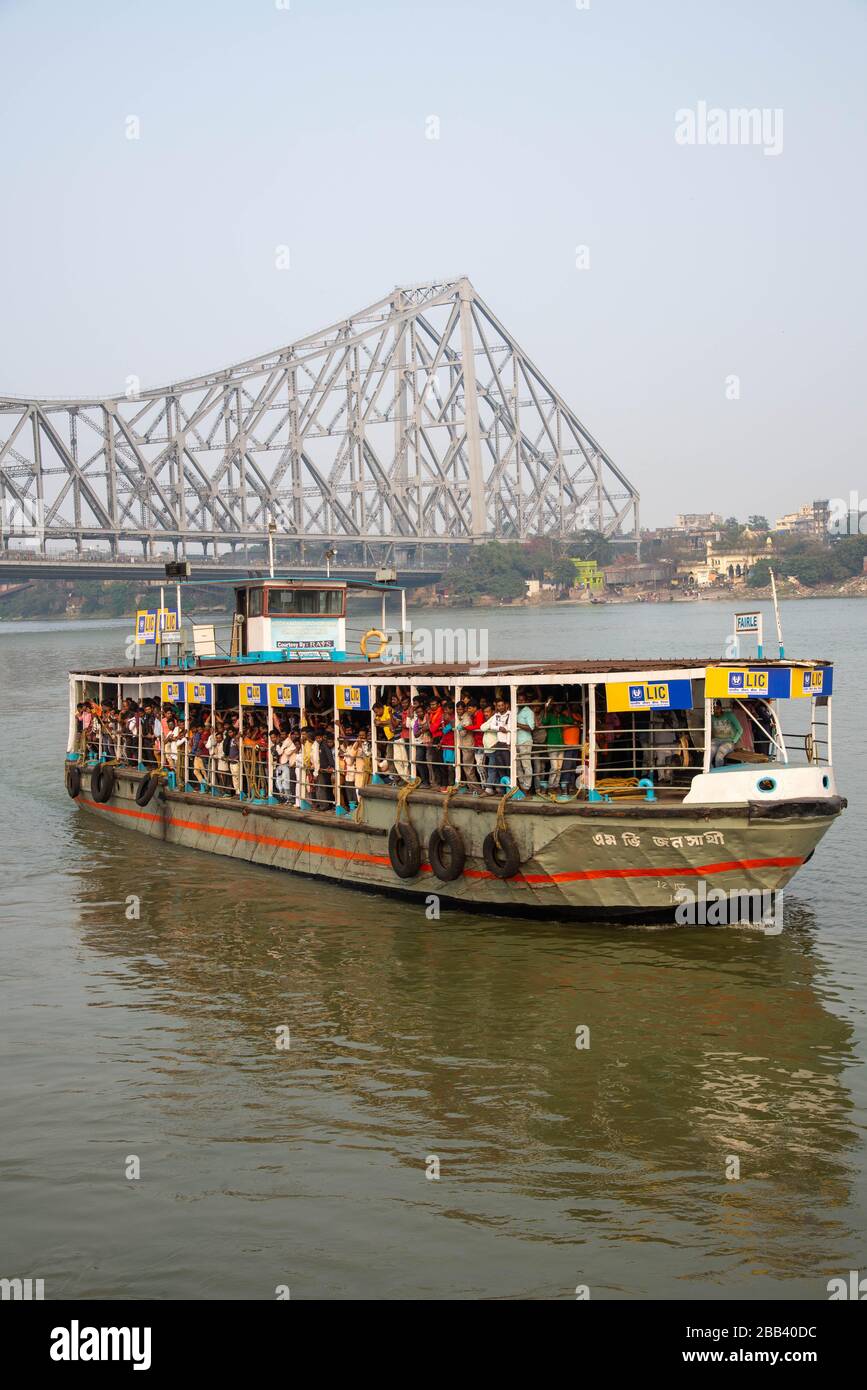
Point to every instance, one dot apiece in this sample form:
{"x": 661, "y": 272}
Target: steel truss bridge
{"x": 416, "y": 424}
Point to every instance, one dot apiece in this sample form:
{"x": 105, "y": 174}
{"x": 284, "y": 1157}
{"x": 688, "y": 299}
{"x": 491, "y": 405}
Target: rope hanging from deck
{"x": 448, "y": 793}
{"x": 402, "y": 798}
{"x": 501, "y": 815}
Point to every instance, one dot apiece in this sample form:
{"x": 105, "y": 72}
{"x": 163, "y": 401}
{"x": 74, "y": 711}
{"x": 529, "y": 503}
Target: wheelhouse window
{"x": 255, "y": 603}
{"x": 305, "y": 602}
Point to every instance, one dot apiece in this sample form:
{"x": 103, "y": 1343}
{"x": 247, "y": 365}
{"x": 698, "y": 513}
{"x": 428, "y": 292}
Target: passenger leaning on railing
{"x": 358, "y": 760}
{"x": 285, "y": 754}
{"x": 526, "y": 726}
{"x": 422, "y": 744}
{"x": 499, "y": 756}
{"x": 308, "y": 766}
{"x": 325, "y": 798}
{"x": 174, "y": 738}
{"x": 385, "y": 732}
{"x": 447, "y": 746}
{"x": 571, "y": 766}
{"x": 466, "y": 713}
{"x": 199, "y": 736}
{"x": 402, "y": 720}
{"x": 232, "y": 753}
{"x": 435, "y": 729}
{"x": 552, "y": 725}
{"x": 211, "y": 749}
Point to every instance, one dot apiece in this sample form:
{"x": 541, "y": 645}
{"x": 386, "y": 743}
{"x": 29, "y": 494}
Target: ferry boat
{"x": 609, "y": 800}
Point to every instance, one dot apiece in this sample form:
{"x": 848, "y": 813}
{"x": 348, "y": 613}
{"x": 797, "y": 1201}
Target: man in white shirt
{"x": 499, "y": 758}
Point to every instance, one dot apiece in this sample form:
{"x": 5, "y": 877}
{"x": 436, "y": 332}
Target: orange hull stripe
{"x": 246, "y": 835}
{"x": 685, "y": 870}
{"x": 327, "y": 851}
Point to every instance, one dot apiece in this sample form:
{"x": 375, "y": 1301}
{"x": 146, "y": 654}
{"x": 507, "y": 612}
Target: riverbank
{"x": 54, "y": 600}
{"x": 742, "y": 596}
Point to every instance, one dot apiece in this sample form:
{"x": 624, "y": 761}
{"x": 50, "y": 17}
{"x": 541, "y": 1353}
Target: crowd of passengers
{"x": 429, "y": 737}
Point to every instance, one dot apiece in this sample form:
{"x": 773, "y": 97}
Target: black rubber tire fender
{"x": 447, "y": 853}
{"x": 404, "y": 850}
{"x": 73, "y": 780}
{"x": 146, "y": 788}
{"x": 102, "y": 782}
{"x": 503, "y": 860}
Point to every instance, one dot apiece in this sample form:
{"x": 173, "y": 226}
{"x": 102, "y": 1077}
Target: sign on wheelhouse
{"x": 568, "y": 788}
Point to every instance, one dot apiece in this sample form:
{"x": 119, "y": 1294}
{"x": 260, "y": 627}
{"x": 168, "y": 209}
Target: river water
{"x": 306, "y": 1166}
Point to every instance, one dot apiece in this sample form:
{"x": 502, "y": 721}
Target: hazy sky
{"x": 306, "y": 127}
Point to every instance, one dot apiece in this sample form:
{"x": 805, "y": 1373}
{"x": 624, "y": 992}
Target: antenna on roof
{"x": 272, "y": 531}
{"x": 777, "y": 614}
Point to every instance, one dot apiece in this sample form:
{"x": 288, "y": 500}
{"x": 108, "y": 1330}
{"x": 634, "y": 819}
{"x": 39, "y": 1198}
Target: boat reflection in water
{"x": 455, "y": 1039}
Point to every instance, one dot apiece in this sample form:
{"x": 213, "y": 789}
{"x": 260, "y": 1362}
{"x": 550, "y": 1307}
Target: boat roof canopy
{"x": 300, "y": 581}
{"x": 519, "y": 672}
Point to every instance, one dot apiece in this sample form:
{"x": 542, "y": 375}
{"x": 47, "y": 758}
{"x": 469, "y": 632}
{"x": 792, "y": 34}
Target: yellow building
{"x": 588, "y": 575}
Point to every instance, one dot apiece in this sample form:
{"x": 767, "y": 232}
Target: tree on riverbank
{"x": 101, "y": 598}
{"x": 810, "y": 562}
{"x": 497, "y": 570}
{"x": 500, "y": 569}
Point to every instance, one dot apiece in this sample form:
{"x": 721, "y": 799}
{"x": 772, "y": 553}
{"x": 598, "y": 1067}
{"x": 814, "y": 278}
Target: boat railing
{"x": 252, "y": 766}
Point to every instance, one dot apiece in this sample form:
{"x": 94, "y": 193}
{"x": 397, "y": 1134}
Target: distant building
{"x": 809, "y": 520}
{"x": 681, "y": 540}
{"x": 729, "y": 566}
{"x": 624, "y": 574}
{"x": 698, "y": 521}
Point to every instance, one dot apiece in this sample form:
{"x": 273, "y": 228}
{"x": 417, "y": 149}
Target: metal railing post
{"x": 708, "y": 731}
{"x": 412, "y": 761}
{"x": 140, "y": 732}
{"x": 336, "y": 727}
{"x": 591, "y": 736}
{"x": 458, "y": 751}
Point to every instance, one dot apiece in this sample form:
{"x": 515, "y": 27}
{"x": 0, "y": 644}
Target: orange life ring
{"x": 383, "y": 643}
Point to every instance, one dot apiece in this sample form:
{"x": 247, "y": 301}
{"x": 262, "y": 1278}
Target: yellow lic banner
{"x": 807, "y": 682}
{"x": 355, "y": 697}
{"x": 727, "y": 682}
{"x": 627, "y": 695}
{"x": 282, "y": 696}
{"x": 173, "y": 692}
{"x": 254, "y": 694}
{"x": 145, "y": 626}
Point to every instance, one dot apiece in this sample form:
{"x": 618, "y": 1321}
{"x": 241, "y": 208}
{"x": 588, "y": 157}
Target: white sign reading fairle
{"x": 749, "y": 625}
